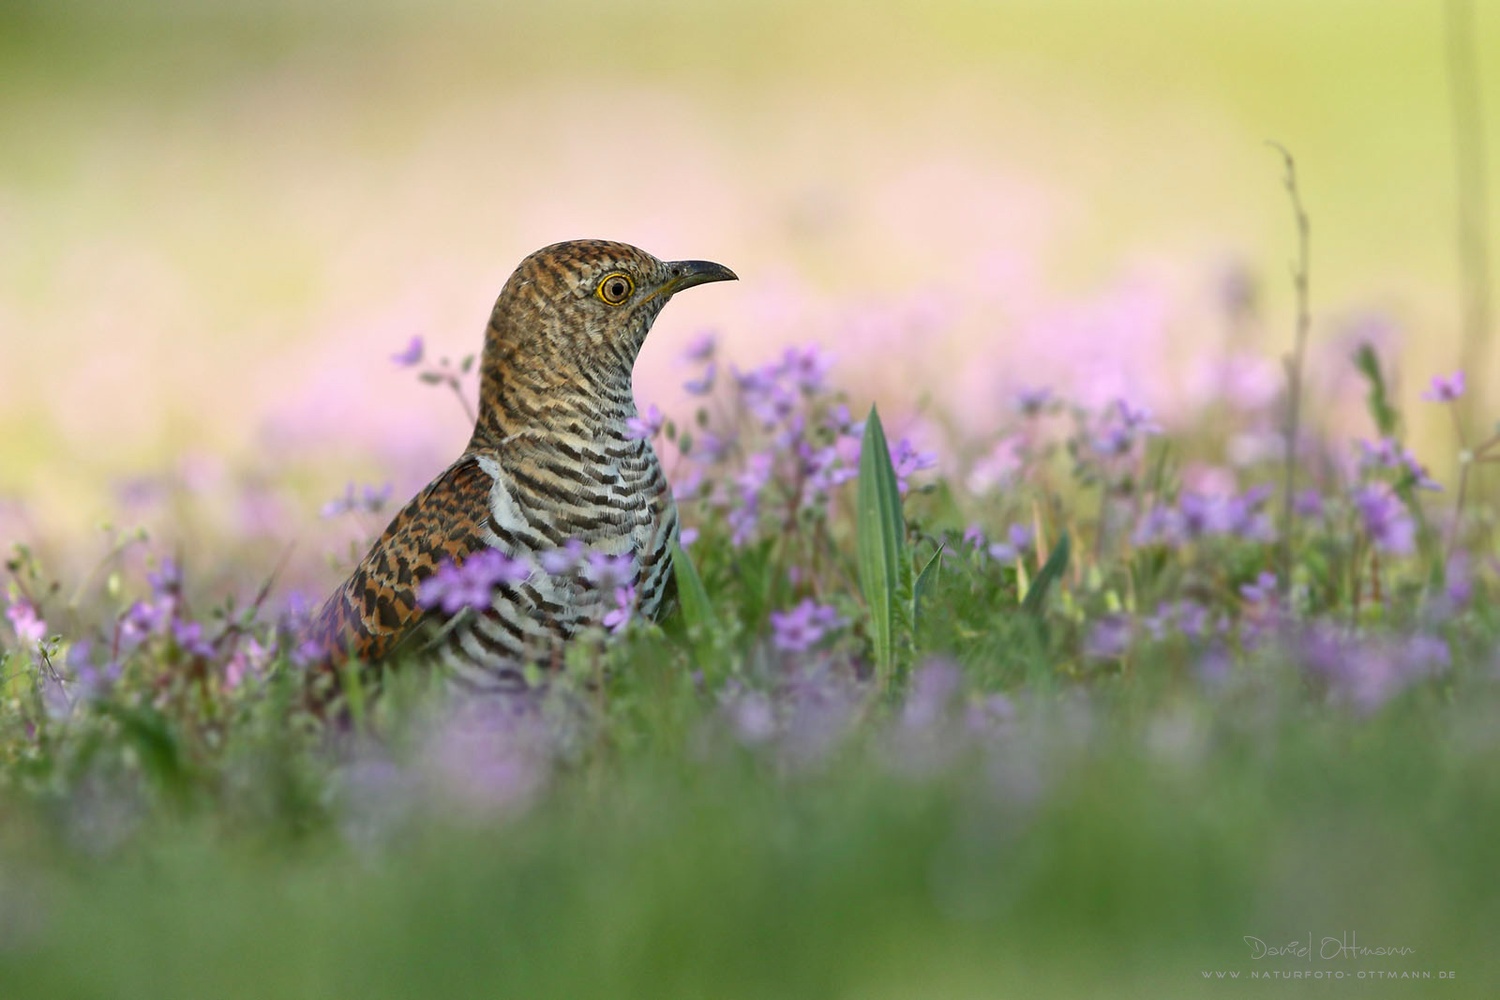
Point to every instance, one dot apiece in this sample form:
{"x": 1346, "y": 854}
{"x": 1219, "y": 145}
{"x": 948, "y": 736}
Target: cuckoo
{"x": 553, "y": 469}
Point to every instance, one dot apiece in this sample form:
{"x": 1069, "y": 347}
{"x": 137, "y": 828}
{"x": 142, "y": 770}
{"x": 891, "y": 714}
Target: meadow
{"x": 1024, "y": 645}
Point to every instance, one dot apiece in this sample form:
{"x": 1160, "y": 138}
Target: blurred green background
{"x": 217, "y": 220}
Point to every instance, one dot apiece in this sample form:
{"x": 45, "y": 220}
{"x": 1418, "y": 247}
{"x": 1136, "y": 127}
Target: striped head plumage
{"x": 551, "y": 466}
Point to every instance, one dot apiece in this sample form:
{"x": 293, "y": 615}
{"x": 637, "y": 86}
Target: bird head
{"x": 582, "y": 309}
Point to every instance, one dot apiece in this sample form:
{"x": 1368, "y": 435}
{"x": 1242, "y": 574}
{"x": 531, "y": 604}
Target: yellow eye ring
{"x": 615, "y": 288}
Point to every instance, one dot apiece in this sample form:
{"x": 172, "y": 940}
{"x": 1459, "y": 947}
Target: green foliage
{"x": 697, "y": 609}
{"x": 1051, "y": 571}
{"x": 923, "y": 584}
{"x": 1377, "y": 396}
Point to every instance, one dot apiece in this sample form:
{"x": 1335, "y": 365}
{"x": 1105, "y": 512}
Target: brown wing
{"x": 377, "y": 606}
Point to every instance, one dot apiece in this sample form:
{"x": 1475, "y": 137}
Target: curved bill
{"x": 687, "y": 273}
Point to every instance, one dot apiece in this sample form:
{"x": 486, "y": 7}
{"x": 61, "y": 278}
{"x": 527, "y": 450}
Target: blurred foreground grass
{"x": 1127, "y": 859}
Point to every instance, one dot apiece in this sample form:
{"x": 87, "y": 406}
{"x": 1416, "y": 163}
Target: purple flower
{"x": 560, "y": 562}
{"x": 1245, "y": 515}
{"x": 29, "y": 627}
{"x": 1162, "y": 525}
{"x": 492, "y": 755}
{"x": 166, "y": 579}
{"x": 712, "y": 448}
{"x": 1383, "y": 454}
{"x": 339, "y": 505}
{"x": 993, "y": 716}
{"x": 1018, "y": 541}
{"x": 371, "y": 500}
{"x": 1385, "y": 520}
{"x": 687, "y": 536}
{"x": 1262, "y": 590}
{"x": 688, "y": 485}
{"x": 1201, "y": 515}
{"x": 1108, "y": 638}
{"x": 908, "y": 461}
{"x": 1368, "y": 674}
{"x": 1418, "y": 475}
{"x": 610, "y": 572}
{"x": 1185, "y": 617}
{"x": 1197, "y": 516}
{"x": 819, "y": 707}
{"x": 618, "y": 616}
{"x": 1308, "y": 503}
{"x": 841, "y": 422}
{"x": 1445, "y": 390}
{"x": 412, "y": 356}
{"x": 1136, "y": 418}
{"x": 743, "y": 521}
{"x": 638, "y": 428}
{"x": 823, "y": 469}
{"x": 144, "y": 619}
{"x": 756, "y": 475}
{"x": 804, "y": 626}
{"x": 1426, "y": 654}
{"x": 472, "y": 583}
{"x": 701, "y": 347}
{"x": 936, "y": 688}
{"x": 807, "y": 367}
{"x": 703, "y": 384}
{"x": 766, "y": 394}
{"x": 1123, "y": 424}
{"x": 93, "y": 682}
{"x": 1458, "y": 586}
{"x": 752, "y": 717}
{"x": 1388, "y": 454}
{"x": 1214, "y": 667}
{"x": 1113, "y": 441}
{"x": 1030, "y": 401}
{"x": 791, "y": 432}
{"x": 307, "y": 652}
{"x": 248, "y": 661}
{"x": 375, "y": 498}
{"x": 189, "y": 638}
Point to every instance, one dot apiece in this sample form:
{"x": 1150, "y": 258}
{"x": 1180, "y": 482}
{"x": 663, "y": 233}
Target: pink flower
{"x": 29, "y": 627}
{"x": 1445, "y": 390}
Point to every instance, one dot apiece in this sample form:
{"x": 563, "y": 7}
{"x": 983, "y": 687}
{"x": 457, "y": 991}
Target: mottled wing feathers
{"x": 377, "y": 606}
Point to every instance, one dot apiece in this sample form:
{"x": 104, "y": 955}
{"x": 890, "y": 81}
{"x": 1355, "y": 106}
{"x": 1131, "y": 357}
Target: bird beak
{"x": 687, "y": 273}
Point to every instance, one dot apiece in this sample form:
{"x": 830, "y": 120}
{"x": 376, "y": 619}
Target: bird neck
{"x": 545, "y": 394}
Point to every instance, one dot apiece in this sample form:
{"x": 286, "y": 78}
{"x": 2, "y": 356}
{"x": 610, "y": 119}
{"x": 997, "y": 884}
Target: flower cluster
{"x": 804, "y": 626}
{"x": 369, "y": 500}
{"x": 778, "y": 447}
{"x": 1195, "y": 517}
{"x": 473, "y": 583}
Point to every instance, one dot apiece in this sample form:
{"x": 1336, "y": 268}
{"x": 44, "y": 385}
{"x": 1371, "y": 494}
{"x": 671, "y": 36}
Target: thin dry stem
{"x": 1294, "y": 366}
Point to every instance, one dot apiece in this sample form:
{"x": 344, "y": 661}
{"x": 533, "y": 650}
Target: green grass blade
{"x": 923, "y": 583}
{"x": 697, "y": 611}
{"x": 880, "y": 534}
{"x": 1047, "y": 576}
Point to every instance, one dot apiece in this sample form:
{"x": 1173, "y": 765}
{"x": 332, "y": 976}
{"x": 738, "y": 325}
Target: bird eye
{"x": 616, "y": 288}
